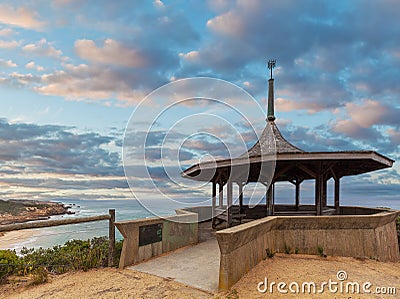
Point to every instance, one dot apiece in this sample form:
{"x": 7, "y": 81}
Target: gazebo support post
{"x": 221, "y": 195}
{"x": 337, "y": 195}
{"x": 267, "y": 199}
{"x": 270, "y": 200}
{"x": 229, "y": 203}
{"x": 214, "y": 202}
{"x": 298, "y": 182}
{"x": 337, "y": 191}
{"x": 273, "y": 199}
{"x": 240, "y": 184}
{"x": 318, "y": 200}
{"x": 324, "y": 192}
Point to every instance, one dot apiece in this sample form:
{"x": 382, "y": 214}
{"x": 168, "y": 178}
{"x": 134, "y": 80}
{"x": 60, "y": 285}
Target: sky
{"x": 72, "y": 72}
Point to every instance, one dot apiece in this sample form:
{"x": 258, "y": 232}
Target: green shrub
{"x": 118, "y": 249}
{"x": 270, "y": 253}
{"x": 9, "y": 264}
{"x": 233, "y": 294}
{"x": 54, "y": 259}
{"x": 73, "y": 255}
{"x": 321, "y": 251}
{"x": 40, "y": 275}
{"x": 287, "y": 249}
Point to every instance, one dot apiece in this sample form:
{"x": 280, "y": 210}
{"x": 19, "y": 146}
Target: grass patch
{"x": 39, "y": 276}
{"x": 287, "y": 249}
{"x": 270, "y": 253}
{"x": 320, "y": 250}
{"x": 233, "y": 294}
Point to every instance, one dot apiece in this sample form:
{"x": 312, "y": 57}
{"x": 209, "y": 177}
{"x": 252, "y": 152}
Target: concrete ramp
{"x": 196, "y": 266}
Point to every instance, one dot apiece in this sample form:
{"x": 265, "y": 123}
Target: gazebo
{"x": 291, "y": 164}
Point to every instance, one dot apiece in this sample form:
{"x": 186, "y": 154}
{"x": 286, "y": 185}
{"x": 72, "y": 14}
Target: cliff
{"x": 17, "y": 211}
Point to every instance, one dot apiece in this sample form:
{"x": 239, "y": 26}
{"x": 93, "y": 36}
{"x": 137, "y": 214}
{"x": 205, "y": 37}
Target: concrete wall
{"x": 204, "y": 212}
{"x": 244, "y": 246}
{"x": 178, "y": 231}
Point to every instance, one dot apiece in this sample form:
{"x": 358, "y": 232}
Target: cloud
{"x": 6, "y": 32}
{"x": 158, "y": 3}
{"x": 111, "y": 53}
{"x": 322, "y": 53}
{"x": 286, "y": 105}
{"x": 192, "y": 56}
{"x": 54, "y": 149}
{"x": 9, "y": 44}
{"x": 372, "y": 185}
{"x": 219, "y": 5}
{"x": 314, "y": 138}
{"x": 54, "y": 162}
{"x": 32, "y": 65}
{"x": 42, "y": 48}
{"x": 368, "y": 113}
{"x": 353, "y": 130}
{"x": 20, "y": 17}
{"x": 81, "y": 82}
{"x": 394, "y": 135}
{"x": 363, "y": 119}
{"x": 95, "y": 81}
{"x": 64, "y": 2}
{"x": 7, "y": 63}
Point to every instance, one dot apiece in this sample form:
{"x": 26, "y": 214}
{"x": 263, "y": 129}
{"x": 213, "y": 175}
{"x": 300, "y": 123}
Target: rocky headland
{"x": 18, "y": 211}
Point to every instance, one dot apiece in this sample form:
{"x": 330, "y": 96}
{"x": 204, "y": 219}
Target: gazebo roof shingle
{"x": 263, "y": 145}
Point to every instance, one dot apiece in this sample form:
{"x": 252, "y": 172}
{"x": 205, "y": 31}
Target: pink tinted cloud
{"x": 394, "y": 135}
{"x": 9, "y": 44}
{"x": 42, "y": 48}
{"x": 111, "y": 52}
{"x": 288, "y": 105}
{"x": 228, "y": 23}
{"x": 20, "y": 17}
{"x": 366, "y": 114}
{"x": 362, "y": 119}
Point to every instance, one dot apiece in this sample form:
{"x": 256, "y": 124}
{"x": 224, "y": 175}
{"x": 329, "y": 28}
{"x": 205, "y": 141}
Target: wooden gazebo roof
{"x": 290, "y": 161}
{"x": 281, "y": 144}
{"x": 304, "y": 165}
{"x": 273, "y": 159}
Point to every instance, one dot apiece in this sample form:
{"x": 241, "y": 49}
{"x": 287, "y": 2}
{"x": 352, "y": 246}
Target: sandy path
{"x": 114, "y": 283}
{"x": 109, "y": 283}
{"x": 309, "y": 268}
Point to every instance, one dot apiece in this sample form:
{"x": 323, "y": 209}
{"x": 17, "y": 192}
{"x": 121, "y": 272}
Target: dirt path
{"x": 108, "y": 283}
{"x": 309, "y": 268}
{"x": 114, "y": 283}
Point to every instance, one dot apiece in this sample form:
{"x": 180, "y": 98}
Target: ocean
{"x": 125, "y": 210}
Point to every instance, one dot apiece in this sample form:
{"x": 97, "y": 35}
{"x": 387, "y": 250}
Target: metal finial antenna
{"x": 271, "y": 65}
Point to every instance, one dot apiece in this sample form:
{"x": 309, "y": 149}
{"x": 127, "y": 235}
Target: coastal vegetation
{"x": 73, "y": 255}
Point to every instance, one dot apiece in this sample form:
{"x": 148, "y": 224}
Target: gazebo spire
{"x": 271, "y": 113}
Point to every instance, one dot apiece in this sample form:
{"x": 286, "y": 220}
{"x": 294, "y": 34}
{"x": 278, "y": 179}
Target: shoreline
{"x": 9, "y": 240}
{"x": 22, "y": 211}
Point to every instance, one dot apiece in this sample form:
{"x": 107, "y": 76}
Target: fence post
{"x": 111, "y": 238}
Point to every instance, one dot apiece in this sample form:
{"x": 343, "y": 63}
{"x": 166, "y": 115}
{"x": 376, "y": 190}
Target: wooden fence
{"x": 48, "y": 223}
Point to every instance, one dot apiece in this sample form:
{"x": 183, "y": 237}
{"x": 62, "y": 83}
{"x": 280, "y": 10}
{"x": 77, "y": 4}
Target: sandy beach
{"x": 10, "y": 239}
